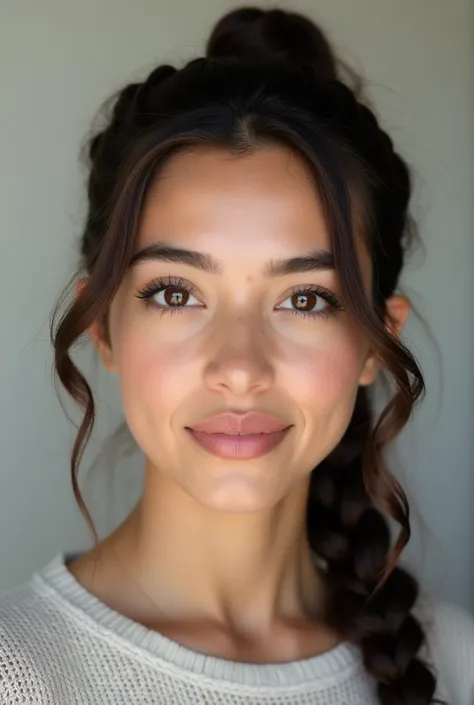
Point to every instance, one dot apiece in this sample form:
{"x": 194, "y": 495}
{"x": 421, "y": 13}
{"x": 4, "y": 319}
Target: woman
{"x": 247, "y": 225}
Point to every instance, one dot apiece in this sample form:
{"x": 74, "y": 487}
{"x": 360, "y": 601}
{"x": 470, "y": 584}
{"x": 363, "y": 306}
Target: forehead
{"x": 268, "y": 194}
{"x": 259, "y": 205}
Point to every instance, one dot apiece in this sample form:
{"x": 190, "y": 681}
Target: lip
{"x": 250, "y": 422}
{"x": 244, "y": 447}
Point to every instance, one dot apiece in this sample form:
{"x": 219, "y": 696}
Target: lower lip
{"x": 238, "y": 447}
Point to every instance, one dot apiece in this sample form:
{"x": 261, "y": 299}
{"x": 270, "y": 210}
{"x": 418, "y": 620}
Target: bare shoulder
{"x": 449, "y": 647}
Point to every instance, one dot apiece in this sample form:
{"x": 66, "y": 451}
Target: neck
{"x": 245, "y": 572}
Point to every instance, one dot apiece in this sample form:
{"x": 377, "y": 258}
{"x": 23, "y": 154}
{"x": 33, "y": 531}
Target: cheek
{"x": 153, "y": 376}
{"x": 324, "y": 388}
{"x": 328, "y": 375}
{"x": 325, "y": 369}
{"x": 324, "y": 384}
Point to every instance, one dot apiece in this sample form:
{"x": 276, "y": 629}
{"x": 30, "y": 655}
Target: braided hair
{"x": 271, "y": 76}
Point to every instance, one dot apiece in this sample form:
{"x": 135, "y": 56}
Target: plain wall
{"x": 58, "y": 61}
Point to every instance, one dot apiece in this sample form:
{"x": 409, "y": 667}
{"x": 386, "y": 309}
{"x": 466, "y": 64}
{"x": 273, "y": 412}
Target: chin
{"x": 237, "y": 494}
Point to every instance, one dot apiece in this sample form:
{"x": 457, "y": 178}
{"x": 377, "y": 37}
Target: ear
{"x": 398, "y": 308}
{"x": 97, "y": 335}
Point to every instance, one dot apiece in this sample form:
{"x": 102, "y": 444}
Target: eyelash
{"x": 158, "y": 285}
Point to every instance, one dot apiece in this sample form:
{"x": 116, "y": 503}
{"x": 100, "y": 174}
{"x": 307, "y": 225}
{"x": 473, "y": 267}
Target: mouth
{"x": 238, "y": 446}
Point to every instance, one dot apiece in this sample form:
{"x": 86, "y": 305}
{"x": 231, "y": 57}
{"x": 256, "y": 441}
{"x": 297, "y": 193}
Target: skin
{"x": 215, "y": 554}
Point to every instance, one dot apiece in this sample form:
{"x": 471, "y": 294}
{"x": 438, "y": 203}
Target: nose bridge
{"x": 243, "y": 337}
{"x": 241, "y": 354}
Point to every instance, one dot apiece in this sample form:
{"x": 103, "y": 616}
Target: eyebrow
{"x": 318, "y": 260}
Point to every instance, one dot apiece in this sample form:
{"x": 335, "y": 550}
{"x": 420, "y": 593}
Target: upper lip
{"x": 232, "y": 423}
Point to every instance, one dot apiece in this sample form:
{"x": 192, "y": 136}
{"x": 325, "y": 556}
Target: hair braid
{"x": 369, "y": 601}
{"x": 353, "y": 538}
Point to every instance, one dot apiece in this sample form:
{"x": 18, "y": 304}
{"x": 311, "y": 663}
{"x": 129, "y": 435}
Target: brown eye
{"x": 174, "y": 296}
{"x": 311, "y": 302}
{"x": 304, "y": 302}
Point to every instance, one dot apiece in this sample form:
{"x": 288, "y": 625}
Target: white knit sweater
{"x": 59, "y": 645}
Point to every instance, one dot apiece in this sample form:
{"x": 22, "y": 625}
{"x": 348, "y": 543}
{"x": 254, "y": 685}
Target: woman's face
{"x": 232, "y": 337}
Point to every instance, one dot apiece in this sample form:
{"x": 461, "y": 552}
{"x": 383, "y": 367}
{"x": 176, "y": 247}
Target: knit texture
{"x": 59, "y": 645}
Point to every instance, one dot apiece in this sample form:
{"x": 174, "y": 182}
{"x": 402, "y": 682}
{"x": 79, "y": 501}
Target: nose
{"x": 240, "y": 363}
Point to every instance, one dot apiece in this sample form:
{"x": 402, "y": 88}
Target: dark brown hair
{"x": 270, "y": 77}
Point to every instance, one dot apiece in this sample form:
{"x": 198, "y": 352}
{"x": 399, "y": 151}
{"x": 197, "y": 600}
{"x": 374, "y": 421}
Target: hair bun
{"x": 268, "y": 35}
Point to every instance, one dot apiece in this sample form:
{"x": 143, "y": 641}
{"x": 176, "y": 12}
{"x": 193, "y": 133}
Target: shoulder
{"x": 449, "y": 647}
{"x": 26, "y": 617}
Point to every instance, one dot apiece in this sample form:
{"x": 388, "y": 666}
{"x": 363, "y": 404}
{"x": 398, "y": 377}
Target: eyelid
{"x": 169, "y": 280}
{"x": 317, "y": 289}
